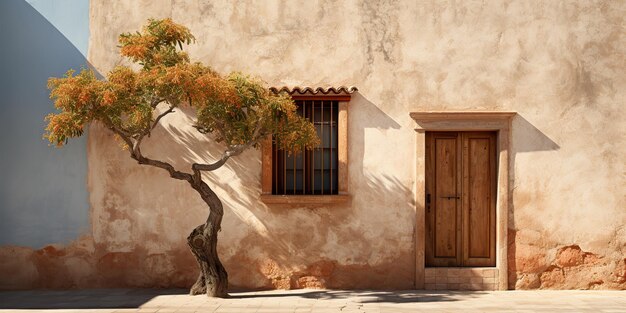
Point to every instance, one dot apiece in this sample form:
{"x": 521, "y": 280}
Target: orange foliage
{"x": 235, "y": 108}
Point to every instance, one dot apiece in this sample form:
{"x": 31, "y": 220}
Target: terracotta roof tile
{"x": 301, "y": 91}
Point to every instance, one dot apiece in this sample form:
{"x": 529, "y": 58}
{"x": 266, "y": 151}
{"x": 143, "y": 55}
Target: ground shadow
{"x": 404, "y": 296}
{"x": 81, "y": 299}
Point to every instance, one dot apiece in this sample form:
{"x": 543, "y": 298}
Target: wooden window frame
{"x": 343, "y": 195}
{"x": 465, "y": 121}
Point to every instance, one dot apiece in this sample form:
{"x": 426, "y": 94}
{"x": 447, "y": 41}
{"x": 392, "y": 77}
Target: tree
{"x": 236, "y": 110}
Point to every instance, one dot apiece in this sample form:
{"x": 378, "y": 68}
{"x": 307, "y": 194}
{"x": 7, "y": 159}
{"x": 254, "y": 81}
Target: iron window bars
{"x": 312, "y": 172}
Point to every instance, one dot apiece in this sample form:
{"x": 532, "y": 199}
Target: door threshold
{"x": 461, "y": 278}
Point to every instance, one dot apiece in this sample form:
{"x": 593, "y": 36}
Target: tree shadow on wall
{"x": 372, "y": 129}
{"x": 359, "y": 231}
{"x": 296, "y": 236}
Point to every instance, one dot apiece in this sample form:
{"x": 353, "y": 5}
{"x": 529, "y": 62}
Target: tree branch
{"x": 230, "y": 152}
{"x": 155, "y": 102}
{"x": 156, "y": 121}
{"x": 135, "y": 153}
{"x": 122, "y": 134}
{"x": 233, "y": 150}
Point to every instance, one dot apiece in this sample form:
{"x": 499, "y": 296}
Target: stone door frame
{"x": 464, "y": 121}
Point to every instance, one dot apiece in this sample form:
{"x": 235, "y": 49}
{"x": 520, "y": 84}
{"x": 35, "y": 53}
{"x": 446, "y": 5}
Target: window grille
{"x": 312, "y": 172}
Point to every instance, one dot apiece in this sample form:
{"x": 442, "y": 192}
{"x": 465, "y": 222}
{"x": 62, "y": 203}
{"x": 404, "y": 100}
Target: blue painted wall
{"x": 43, "y": 190}
{"x": 69, "y": 17}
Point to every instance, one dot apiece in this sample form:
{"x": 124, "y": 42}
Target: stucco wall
{"x": 558, "y": 64}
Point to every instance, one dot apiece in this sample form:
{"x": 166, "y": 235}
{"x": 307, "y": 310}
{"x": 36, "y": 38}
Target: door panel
{"x": 444, "y": 210}
{"x": 460, "y": 204}
{"x": 479, "y": 198}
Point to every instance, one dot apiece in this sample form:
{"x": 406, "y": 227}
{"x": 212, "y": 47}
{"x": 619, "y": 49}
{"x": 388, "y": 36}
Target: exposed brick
{"x": 429, "y": 286}
{"x": 487, "y": 287}
{"x": 429, "y": 279}
{"x": 466, "y": 272}
{"x": 476, "y": 272}
{"x": 454, "y": 286}
{"x": 489, "y": 280}
{"x": 476, "y": 280}
{"x": 441, "y": 286}
{"x": 455, "y": 280}
{"x": 489, "y": 272}
{"x": 441, "y": 272}
{"x": 441, "y": 280}
{"x": 453, "y": 272}
{"x": 476, "y": 287}
{"x": 429, "y": 272}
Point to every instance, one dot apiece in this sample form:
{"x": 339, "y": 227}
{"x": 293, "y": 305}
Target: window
{"x": 319, "y": 176}
{"x": 310, "y": 172}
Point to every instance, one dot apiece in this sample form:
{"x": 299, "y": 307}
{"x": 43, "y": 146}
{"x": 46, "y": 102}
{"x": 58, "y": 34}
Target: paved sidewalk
{"x": 308, "y": 300}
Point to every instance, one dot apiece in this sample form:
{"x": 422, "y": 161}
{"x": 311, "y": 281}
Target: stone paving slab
{"x": 312, "y": 301}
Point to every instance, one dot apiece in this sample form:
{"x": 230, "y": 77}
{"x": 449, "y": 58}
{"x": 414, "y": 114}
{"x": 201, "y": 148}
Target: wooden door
{"x": 460, "y": 198}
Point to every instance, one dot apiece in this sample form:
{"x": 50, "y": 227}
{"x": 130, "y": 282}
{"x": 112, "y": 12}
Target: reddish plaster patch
{"x": 552, "y": 277}
{"x": 85, "y": 265}
{"x": 597, "y": 284}
{"x": 530, "y": 259}
{"x": 387, "y": 276}
{"x": 117, "y": 269}
{"x": 51, "y": 268}
{"x": 323, "y": 268}
{"x": 620, "y": 273}
{"x": 569, "y": 268}
{"x": 570, "y": 256}
{"x": 331, "y": 274}
{"x": 528, "y": 281}
{"x": 17, "y": 269}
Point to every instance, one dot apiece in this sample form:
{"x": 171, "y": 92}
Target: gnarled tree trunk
{"x": 213, "y": 279}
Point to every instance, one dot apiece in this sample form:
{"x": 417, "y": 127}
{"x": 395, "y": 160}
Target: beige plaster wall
{"x": 559, "y": 64}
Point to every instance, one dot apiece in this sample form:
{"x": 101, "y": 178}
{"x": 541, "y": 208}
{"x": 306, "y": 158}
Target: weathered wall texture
{"x": 560, "y": 65}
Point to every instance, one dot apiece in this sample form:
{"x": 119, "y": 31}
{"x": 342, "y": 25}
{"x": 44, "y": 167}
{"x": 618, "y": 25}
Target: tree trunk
{"x": 213, "y": 279}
